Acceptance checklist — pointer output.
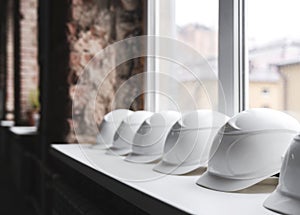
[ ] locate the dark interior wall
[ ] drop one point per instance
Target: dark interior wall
(7, 69)
(53, 55)
(71, 32)
(53, 58)
(63, 26)
(16, 61)
(3, 54)
(9, 96)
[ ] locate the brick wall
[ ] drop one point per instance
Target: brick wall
(28, 48)
(93, 25)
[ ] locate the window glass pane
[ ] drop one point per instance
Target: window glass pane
(273, 37)
(190, 85)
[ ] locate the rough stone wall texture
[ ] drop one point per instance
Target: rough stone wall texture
(93, 25)
(28, 48)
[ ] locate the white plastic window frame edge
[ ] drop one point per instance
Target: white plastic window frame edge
(150, 78)
(232, 56)
(159, 27)
(233, 73)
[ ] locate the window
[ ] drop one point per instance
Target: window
(195, 23)
(252, 46)
(273, 38)
(213, 28)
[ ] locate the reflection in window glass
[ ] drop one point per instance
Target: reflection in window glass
(194, 22)
(273, 38)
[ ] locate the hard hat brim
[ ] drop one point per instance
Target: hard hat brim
(281, 203)
(214, 182)
(118, 151)
(139, 158)
(175, 169)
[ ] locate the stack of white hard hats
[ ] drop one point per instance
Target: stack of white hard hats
(286, 198)
(188, 143)
(109, 126)
(239, 152)
(123, 138)
(149, 140)
(248, 149)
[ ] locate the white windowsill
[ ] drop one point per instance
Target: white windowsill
(178, 191)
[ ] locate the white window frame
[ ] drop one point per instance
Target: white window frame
(150, 78)
(233, 70)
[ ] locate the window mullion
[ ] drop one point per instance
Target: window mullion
(231, 57)
(150, 97)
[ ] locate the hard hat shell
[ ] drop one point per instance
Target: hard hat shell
(248, 149)
(126, 131)
(188, 143)
(148, 143)
(259, 119)
(286, 198)
(110, 123)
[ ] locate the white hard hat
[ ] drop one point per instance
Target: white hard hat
(124, 136)
(286, 198)
(148, 143)
(110, 123)
(188, 143)
(248, 149)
